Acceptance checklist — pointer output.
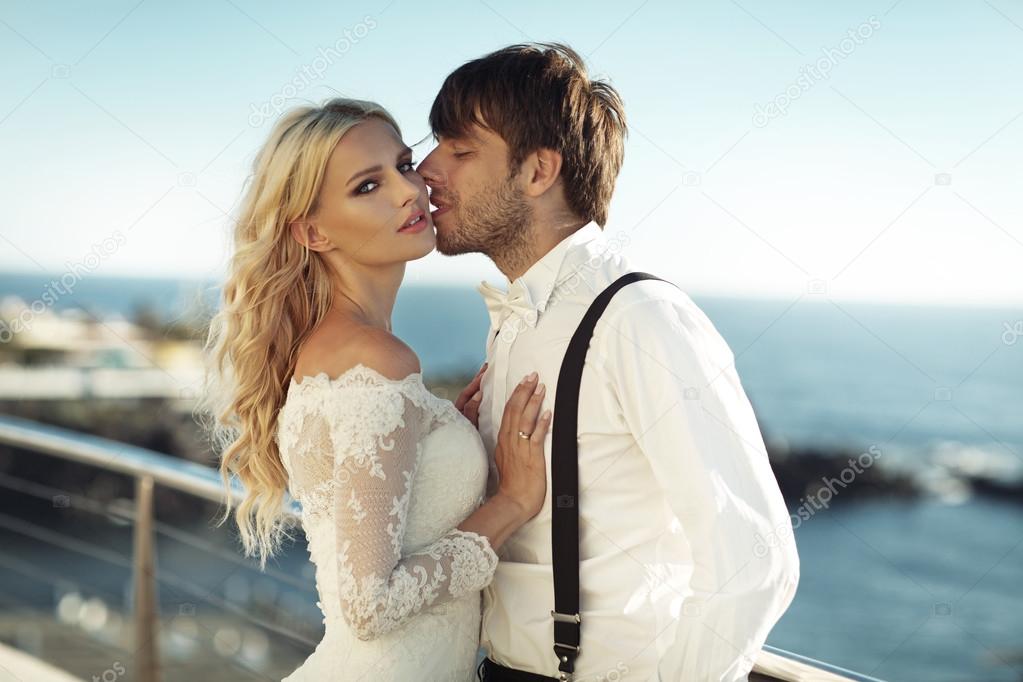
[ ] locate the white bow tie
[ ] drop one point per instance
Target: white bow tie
(502, 305)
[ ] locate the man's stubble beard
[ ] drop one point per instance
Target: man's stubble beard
(497, 224)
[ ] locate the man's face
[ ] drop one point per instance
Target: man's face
(480, 204)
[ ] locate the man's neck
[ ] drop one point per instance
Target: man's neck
(542, 237)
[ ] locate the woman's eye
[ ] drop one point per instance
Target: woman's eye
(366, 188)
(459, 155)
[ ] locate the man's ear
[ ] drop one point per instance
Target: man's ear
(305, 232)
(543, 168)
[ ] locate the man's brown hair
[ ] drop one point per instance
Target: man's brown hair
(538, 95)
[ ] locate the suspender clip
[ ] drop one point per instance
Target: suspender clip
(566, 618)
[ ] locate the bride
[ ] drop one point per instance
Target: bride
(313, 394)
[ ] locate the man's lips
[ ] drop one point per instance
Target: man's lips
(441, 207)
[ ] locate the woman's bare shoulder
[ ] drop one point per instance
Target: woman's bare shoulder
(338, 345)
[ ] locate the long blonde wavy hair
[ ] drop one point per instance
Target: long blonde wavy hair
(275, 295)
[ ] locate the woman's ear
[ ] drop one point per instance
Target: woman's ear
(544, 166)
(305, 233)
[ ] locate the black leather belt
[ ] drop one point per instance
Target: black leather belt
(489, 671)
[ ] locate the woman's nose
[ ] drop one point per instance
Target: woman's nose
(411, 189)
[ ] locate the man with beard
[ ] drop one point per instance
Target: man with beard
(673, 548)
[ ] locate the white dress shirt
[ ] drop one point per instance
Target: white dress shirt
(687, 558)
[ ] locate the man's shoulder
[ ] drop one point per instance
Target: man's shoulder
(658, 312)
(655, 306)
(602, 261)
(648, 297)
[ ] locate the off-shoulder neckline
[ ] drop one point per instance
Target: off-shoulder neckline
(322, 377)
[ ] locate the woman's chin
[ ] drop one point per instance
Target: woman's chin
(427, 244)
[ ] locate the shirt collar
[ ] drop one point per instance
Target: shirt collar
(540, 280)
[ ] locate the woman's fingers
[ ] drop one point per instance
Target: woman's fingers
(517, 400)
(520, 460)
(471, 407)
(530, 411)
(470, 391)
(472, 411)
(540, 431)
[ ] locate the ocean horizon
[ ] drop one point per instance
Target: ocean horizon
(919, 380)
(930, 386)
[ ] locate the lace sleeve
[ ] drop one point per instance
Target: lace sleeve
(375, 461)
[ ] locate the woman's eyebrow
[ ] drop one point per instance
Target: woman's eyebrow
(367, 171)
(376, 169)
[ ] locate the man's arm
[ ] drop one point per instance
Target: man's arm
(683, 401)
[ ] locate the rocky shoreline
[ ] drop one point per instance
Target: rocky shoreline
(808, 477)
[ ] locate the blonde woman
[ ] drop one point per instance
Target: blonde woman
(313, 394)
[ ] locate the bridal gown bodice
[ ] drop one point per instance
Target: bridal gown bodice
(385, 471)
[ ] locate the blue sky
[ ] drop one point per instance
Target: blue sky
(894, 177)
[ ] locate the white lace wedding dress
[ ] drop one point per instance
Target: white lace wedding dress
(385, 471)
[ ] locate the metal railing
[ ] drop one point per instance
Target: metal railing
(149, 469)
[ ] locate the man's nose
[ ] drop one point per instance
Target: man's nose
(427, 169)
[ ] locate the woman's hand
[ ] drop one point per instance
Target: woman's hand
(520, 465)
(520, 459)
(468, 401)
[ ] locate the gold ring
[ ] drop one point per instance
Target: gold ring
(524, 435)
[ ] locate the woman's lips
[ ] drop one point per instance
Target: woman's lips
(413, 229)
(421, 224)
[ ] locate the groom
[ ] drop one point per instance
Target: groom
(686, 555)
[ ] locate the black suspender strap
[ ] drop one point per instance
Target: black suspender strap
(565, 481)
